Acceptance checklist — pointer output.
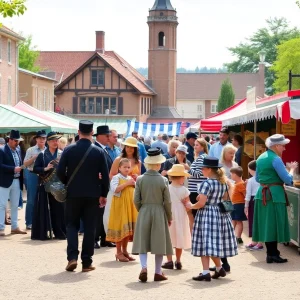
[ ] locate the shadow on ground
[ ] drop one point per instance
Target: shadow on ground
(65, 277)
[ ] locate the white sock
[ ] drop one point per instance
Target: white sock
(143, 260)
(158, 263)
(204, 272)
(218, 269)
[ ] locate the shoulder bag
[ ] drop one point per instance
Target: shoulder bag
(58, 189)
(226, 206)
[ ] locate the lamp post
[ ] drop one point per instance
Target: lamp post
(262, 56)
(291, 76)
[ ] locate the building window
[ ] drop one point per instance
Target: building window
(106, 106)
(213, 108)
(142, 105)
(9, 92)
(161, 39)
(9, 51)
(91, 106)
(97, 77)
(0, 89)
(199, 108)
(44, 107)
(113, 106)
(99, 105)
(82, 105)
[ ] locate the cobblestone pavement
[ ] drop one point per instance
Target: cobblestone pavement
(35, 270)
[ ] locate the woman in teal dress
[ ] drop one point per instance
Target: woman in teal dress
(270, 224)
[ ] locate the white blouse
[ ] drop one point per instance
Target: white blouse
(114, 183)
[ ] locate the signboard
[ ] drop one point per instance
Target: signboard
(289, 129)
(260, 143)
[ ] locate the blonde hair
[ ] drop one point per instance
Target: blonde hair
(226, 148)
(155, 167)
(63, 140)
(220, 175)
(203, 143)
(123, 161)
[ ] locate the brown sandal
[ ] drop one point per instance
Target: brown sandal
(129, 257)
(121, 257)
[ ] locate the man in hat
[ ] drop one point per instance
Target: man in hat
(216, 148)
(102, 138)
(84, 194)
(190, 143)
(11, 181)
(32, 178)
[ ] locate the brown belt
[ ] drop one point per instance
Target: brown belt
(266, 188)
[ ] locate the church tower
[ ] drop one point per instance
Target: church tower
(162, 59)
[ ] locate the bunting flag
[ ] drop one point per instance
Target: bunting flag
(153, 129)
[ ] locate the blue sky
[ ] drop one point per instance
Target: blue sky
(206, 27)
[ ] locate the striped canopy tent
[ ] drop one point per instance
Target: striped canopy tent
(53, 124)
(12, 118)
(153, 129)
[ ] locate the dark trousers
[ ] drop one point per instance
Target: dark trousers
(86, 210)
(100, 232)
(193, 196)
(58, 221)
(272, 249)
(251, 215)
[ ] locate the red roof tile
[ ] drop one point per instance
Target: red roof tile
(207, 86)
(65, 63)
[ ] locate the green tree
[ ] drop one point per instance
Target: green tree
(288, 58)
(10, 8)
(268, 38)
(226, 98)
(28, 55)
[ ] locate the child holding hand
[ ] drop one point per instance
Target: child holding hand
(180, 228)
(123, 214)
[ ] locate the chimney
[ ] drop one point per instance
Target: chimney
(100, 42)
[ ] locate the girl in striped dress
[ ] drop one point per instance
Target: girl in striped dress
(213, 234)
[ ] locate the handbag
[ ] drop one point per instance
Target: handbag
(57, 189)
(226, 206)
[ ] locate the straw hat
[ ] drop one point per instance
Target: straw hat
(131, 142)
(154, 157)
(178, 170)
(276, 139)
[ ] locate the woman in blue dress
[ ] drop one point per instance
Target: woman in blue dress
(48, 215)
(213, 234)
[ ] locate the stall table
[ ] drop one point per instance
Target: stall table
(294, 214)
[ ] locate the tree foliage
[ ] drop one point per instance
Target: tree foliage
(10, 8)
(267, 39)
(226, 98)
(288, 58)
(28, 55)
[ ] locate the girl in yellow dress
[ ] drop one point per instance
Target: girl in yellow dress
(123, 214)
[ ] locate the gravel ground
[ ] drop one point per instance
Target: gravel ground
(35, 270)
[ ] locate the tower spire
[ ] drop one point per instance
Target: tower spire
(162, 5)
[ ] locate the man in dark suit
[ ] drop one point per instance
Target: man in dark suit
(84, 194)
(11, 181)
(102, 138)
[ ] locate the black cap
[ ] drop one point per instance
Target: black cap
(15, 135)
(211, 162)
(103, 129)
(86, 126)
(53, 136)
(153, 151)
(224, 130)
(191, 135)
(41, 133)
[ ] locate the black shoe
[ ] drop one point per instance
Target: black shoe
(226, 267)
(96, 245)
(108, 244)
(217, 274)
(168, 265)
(276, 259)
(202, 277)
(178, 265)
(239, 240)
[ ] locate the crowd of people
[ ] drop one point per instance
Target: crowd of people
(161, 195)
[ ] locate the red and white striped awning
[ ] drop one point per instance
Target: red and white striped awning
(288, 110)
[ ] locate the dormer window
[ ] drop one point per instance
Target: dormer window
(161, 39)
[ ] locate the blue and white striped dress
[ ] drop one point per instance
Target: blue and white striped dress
(213, 233)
